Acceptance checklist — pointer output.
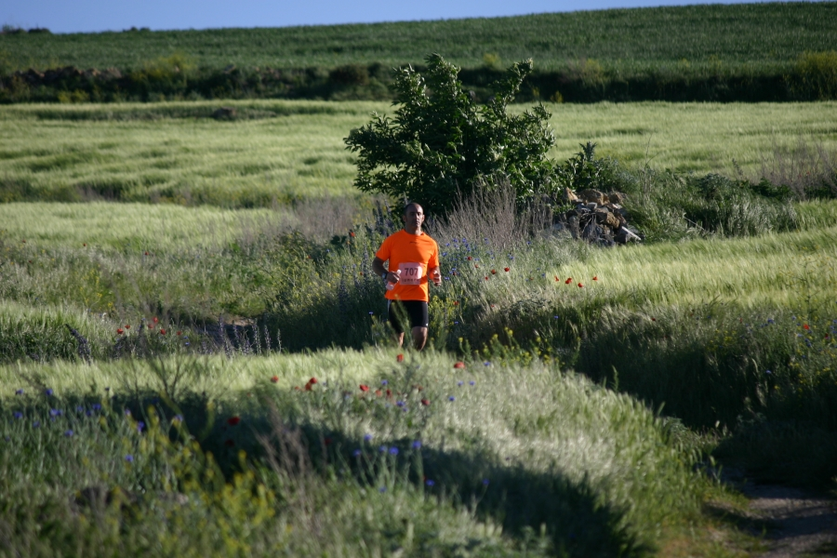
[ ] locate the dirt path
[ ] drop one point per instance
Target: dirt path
(799, 523)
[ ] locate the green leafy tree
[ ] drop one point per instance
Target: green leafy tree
(443, 143)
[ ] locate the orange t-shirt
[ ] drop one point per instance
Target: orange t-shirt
(414, 255)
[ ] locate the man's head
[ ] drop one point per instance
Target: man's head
(413, 218)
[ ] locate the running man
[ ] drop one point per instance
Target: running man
(413, 259)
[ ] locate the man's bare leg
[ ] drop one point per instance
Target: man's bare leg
(399, 338)
(419, 337)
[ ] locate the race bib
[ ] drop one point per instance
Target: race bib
(411, 273)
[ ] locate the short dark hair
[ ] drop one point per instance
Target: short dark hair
(408, 204)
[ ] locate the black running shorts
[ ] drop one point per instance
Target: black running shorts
(414, 310)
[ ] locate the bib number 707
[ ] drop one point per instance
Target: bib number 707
(411, 273)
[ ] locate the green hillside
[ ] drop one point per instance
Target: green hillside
(743, 34)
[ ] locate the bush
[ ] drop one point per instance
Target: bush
(815, 75)
(442, 143)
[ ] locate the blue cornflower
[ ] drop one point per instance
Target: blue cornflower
(357, 452)
(89, 413)
(178, 418)
(460, 383)
(18, 415)
(382, 449)
(472, 382)
(451, 398)
(455, 323)
(129, 458)
(770, 321)
(97, 406)
(555, 317)
(68, 433)
(367, 437)
(55, 412)
(18, 392)
(393, 451)
(370, 312)
(416, 444)
(399, 403)
(485, 482)
(79, 409)
(127, 412)
(768, 372)
(140, 426)
(382, 489)
(384, 382)
(48, 392)
(36, 424)
(487, 363)
(429, 482)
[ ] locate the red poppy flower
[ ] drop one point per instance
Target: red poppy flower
(556, 278)
(154, 319)
(506, 269)
(146, 253)
(307, 387)
(399, 358)
(313, 380)
(486, 278)
(568, 281)
(364, 387)
(120, 331)
(179, 332)
(580, 286)
(128, 326)
(653, 319)
(469, 257)
(389, 393)
(150, 326)
(493, 272)
(233, 421)
(476, 266)
(378, 393)
(85, 244)
(459, 364)
(275, 379)
(352, 234)
(425, 402)
(456, 303)
(805, 326)
(229, 443)
(595, 278)
(162, 331)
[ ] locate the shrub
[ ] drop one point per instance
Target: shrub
(816, 75)
(442, 142)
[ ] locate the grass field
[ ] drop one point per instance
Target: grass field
(290, 150)
(719, 37)
(212, 374)
(516, 453)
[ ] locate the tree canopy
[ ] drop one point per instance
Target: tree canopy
(443, 143)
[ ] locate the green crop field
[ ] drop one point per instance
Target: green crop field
(291, 150)
(735, 36)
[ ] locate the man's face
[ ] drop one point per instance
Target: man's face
(413, 217)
